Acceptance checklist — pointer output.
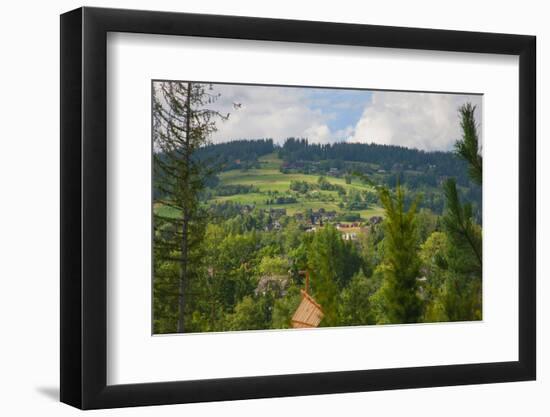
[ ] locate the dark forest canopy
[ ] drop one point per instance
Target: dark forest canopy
(301, 150)
(387, 157)
(242, 153)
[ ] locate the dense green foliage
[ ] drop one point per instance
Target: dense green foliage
(401, 266)
(332, 262)
(468, 148)
(237, 154)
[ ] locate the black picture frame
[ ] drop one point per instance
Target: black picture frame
(84, 207)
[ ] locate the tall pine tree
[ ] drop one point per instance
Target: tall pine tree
(182, 123)
(399, 292)
(462, 295)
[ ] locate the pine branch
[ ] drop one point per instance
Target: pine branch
(456, 220)
(468, 148)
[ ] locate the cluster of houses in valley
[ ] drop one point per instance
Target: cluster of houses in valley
(275, 214)
(350, 231)
(317, 219)
(314, 217)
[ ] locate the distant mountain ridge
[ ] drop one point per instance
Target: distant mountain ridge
(420, 171)
(244, 153)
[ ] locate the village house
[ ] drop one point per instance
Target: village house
(315, 218)
(277, 213)
(348, 225)
(375, 220)
(320, 216)
(275, 284)
(275, 225)
(330, 215)
(246, 209)
(349, 236)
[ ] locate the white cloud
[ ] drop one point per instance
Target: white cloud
(270, 112)
(417, 120)
(320, 133)
(345, 134)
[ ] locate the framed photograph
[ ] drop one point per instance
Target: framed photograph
(256, 208)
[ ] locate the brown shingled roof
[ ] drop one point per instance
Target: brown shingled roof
(308, 313)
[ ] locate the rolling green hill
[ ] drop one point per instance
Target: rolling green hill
(268, 179)
(258, 173)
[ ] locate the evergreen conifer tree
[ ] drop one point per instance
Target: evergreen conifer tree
(399, 292)
(182, 123)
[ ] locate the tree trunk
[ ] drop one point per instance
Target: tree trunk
(185, 217)
(183, 273)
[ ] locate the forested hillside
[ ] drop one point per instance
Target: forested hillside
(416, 170)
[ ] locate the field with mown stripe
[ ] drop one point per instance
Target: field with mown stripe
(269, 179)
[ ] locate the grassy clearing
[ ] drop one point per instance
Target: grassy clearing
(250, 198)
(270, 161)
(274, 180)
(165, 211)
(268, 178)
(374, 211)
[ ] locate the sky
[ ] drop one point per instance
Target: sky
(427, 121)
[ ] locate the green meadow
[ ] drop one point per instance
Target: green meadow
(269, 179)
